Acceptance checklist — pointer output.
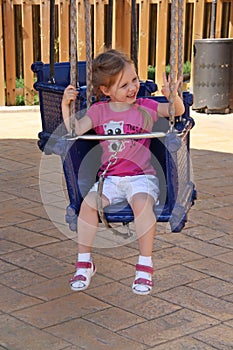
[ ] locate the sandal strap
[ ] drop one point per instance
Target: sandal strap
(78, 278)
(144, 268)
(144, 281)
(84, 265)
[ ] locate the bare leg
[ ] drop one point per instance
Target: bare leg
(145, 222)
(88, 222)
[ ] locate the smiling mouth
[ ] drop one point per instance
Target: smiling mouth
(132, 95)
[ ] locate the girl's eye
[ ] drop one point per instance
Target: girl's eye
(123, 86)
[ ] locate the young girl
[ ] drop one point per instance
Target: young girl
(132, 176)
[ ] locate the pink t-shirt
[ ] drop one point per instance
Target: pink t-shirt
(134, 156)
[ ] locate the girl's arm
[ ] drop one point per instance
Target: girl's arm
(82, 125)
(163, 108)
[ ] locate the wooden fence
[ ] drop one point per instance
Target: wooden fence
(24, 35)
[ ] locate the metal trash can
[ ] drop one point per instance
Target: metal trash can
(213, 75)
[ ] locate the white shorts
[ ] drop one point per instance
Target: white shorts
(120, 188)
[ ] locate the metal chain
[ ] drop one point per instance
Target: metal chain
(88, 53)
(113, 158)
(73, 59)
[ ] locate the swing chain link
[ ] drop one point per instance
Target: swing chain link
(113, 157)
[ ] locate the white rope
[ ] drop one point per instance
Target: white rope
(73, 59)
(173, 38)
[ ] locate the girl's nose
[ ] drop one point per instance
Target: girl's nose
(132, 87)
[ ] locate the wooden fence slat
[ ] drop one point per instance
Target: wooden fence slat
(63, 19)
(2, 90)
(81, 31)
(28, 52)
(198, 24)
(118, 25)
(143, 41)
(9, 40)
(123, 26)
(99, 26)
(161, 40)
(231, 23)
(44, 22)
(218, 19)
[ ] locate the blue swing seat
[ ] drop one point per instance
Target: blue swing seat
(170, 155)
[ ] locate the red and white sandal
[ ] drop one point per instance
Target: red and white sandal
(143, 286)
(82, 278)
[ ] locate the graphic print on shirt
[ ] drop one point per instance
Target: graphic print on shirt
(118, 128)
(114, 128)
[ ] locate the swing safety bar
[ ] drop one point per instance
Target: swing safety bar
(115, 137)
(150, 135)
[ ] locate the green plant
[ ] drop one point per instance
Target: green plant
(167, 69)
(151, 73)
(19, 83)
(187, 67)
(151, 70)
(20, 100)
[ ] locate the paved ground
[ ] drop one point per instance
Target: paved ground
(191, 306)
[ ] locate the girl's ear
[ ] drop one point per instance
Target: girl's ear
(104, 90)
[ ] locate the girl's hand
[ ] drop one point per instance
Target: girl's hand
(70, 94)
(166, 82)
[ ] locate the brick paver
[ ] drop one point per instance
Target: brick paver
(191, 306)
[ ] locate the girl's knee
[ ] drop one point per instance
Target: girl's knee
(90, 202)
(141, 202)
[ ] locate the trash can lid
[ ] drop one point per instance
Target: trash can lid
(213, 41)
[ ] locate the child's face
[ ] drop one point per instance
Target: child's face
(126, 86)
